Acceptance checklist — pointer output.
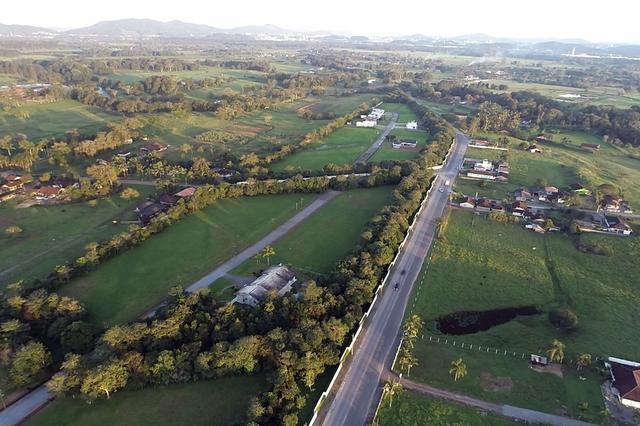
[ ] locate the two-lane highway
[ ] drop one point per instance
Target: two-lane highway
(359, 388)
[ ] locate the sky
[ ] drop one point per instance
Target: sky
(598, 21)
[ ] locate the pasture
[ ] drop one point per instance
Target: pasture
(411, 409)
(387, 152)
(341, 147)
(124, 287)
(329, 235)
(220, 401)
(55, 234)
(55, 118)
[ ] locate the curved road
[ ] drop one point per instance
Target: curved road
(359, 388)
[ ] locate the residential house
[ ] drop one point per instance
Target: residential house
(404, 143)
(625, 377)
(225, 173)
(367, 123)
(535, 227)
(168, 200)
(590, 147)
(481, 174)
(186, 193)
(617, 225)
(579, 189)
(534, 149)
(277, 279)
(520, 209)
(484, 205)
(155, 147)
(468, 203)
(148, 210)
(523, 194)
(412, 125)
(484, 165)
(612, 204)
(46, 192)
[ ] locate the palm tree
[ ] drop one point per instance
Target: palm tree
(391, 390)
(267, 252)
(556, 351)
(458, 369)
(407, 360)
(583, 360)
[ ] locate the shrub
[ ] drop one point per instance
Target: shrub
(565, 319)
(13, 230)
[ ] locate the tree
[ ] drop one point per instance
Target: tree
(105, 379)
(556, 351)
(406, 360)
(129, 193)
(77, 337)
(583, 360)
(105, 175)
(267, 252)
(565, 318)
(458, 369)
(29, 361)
(390, 390)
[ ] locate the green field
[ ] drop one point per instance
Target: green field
(248, 77)
(414, 409)
(481, 265)
(341, 147)
(122, 288)
(53, 235)
(339, 105)
(330, 234)
(405, 113)
(221, 401)
(56, 118)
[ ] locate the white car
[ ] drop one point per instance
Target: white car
(441, 189)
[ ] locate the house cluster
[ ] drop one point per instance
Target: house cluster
(486, 170)
(277, 279)
(611, 204)
(150, 209)
(404, 143)
(545, 194)
(15, 185)
(482, 205)
(371, 119)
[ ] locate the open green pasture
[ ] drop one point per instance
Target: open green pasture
(124, 287)
(330, 234)
(222, 401)
(341, 147)
(55, 234)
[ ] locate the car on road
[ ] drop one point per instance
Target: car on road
(441, 189)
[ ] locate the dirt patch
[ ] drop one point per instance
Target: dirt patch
(555, 369)
(495, 384)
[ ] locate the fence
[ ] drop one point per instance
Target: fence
(349, 348)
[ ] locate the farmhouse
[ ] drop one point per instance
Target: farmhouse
(376, 114)
(404, 143)
(617, 225)
(484, 165)
(612, 204)
(13, 183)
(186, 193)
(412, 125)
(468, 203)
(46, 192)
(625, 377)
(590, 147)
(366, 123)
(155, 147)
(520, 209)
(277, 279)
(148, 210)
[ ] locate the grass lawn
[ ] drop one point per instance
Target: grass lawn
(481, 265)
(124, 287)
(252, 77)
(339, 105)
(387, 152)
(330, 234)
(221, 401)
(223, 289)
(415, 409)
(341, 147)
(56, 118)
(55, 234)
(405, 113)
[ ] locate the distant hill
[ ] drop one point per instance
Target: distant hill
(145, 27)
(24, 31)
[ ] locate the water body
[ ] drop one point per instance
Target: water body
(469, 322)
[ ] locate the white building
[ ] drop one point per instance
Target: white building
(367, 123)
(484, 166)
(376, 114)
(412, 125)
(626, 381)
(278, 279)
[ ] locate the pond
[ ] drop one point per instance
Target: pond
(468, 322)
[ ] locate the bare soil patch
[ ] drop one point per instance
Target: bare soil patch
(495, 384)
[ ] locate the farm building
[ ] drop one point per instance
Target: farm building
(590, 147)
(186, 193)
(617, 225)
(626, 381)
(412, 125)
(404, 143)
(278, 279)
(366, 123)
(615, 205)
